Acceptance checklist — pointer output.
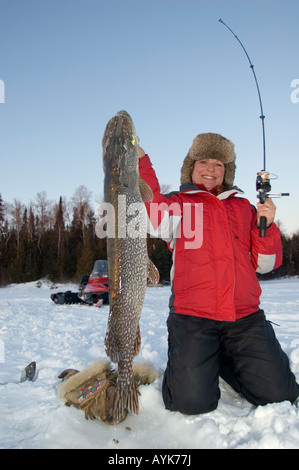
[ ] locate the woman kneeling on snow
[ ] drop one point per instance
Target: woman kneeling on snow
(215, 325)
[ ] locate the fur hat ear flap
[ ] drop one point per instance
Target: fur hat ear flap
(206, 146)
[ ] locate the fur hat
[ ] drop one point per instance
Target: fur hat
(210, 146)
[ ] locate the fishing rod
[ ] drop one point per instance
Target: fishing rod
(263, 185)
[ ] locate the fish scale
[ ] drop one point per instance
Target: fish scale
(127, 259)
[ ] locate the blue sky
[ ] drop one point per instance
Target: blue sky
(70, 65)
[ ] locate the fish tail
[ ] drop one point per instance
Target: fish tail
(125, 399)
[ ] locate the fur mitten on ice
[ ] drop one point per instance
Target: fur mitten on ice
(92, 389)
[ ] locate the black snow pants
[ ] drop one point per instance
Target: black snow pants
(245, 353)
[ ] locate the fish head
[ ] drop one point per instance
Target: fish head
(120, 151)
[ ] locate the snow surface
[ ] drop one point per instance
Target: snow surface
(33, 328)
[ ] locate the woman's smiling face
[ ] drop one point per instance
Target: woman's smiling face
(209, 172)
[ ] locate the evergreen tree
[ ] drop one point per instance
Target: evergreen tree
(1, 214)
(59, 237)
(294, 254)
(42, 240)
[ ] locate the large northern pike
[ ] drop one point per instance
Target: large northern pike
(126, 254)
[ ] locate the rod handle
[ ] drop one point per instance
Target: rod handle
(263, 226)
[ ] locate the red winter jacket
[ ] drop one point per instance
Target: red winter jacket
(217, 249)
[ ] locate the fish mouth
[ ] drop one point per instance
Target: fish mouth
(121, 125)
(124, 113)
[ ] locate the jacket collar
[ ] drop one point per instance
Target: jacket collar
(193, 188)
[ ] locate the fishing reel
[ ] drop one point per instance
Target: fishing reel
(263, 187)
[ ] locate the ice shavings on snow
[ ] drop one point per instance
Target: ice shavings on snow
(33, 328)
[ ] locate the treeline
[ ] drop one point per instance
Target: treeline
(57, 240)
(290, 264)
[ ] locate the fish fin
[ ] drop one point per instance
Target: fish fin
(111, 347)
(145, 191)
(125, 399)
(137, 341)
(153, 275)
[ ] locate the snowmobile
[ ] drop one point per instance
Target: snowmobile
(95, 290)
(67, 297)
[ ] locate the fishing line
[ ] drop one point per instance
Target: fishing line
(262, 116)
(263, 185)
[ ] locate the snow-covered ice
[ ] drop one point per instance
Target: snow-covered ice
(33, 328)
